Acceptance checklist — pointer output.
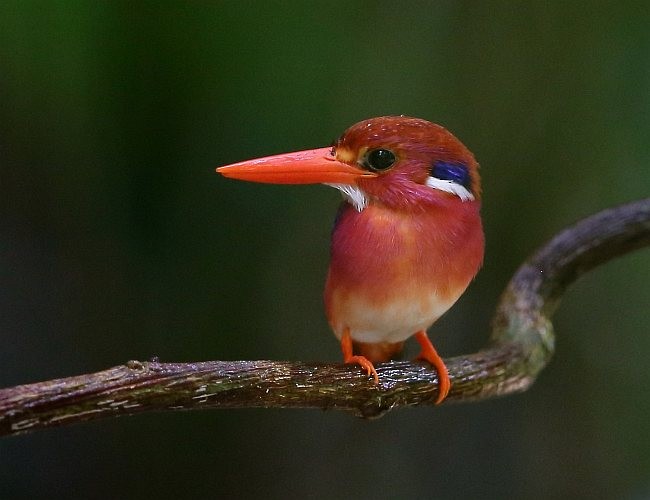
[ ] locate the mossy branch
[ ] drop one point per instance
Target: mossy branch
(521, 344)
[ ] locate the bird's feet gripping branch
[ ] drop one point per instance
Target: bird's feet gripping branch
(407, 240)
(350, 358)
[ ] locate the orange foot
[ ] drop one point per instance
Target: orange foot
(428, 353)
(349, 358)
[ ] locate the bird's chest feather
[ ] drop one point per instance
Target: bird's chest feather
(393, 273)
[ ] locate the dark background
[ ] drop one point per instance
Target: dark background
(118, 241)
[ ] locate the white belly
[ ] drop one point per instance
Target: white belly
(389, 322)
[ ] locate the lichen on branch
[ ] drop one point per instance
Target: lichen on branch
(521, 344)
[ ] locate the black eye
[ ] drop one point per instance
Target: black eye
(450, 171)
(379, 159)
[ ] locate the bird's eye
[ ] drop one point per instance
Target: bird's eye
(379, 159)
(450, 171)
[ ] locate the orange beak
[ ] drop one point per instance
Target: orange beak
(314, 166)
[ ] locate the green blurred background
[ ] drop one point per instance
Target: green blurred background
(118, 241)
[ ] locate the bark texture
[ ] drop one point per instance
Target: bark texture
(521, 344)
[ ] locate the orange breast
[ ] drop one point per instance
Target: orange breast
(393, 273)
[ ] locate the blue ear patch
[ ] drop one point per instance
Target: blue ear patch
(450, 171)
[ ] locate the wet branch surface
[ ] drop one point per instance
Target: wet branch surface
(521, 344)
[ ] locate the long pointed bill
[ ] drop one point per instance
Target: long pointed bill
(314, 166)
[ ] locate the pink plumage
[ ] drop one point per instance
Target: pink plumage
(408, 239)
(393, 273)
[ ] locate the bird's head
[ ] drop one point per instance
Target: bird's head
(396, 161)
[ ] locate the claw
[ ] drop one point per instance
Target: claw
(364, 363)
(349, 358)
(429, 354)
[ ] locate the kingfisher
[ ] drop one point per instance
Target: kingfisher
(407, 240)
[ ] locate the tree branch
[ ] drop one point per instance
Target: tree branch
(521, 344)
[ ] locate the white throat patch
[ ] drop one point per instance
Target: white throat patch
(352, 194)
(450, 187)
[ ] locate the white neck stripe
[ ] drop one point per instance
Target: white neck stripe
(450, 187)
(359, 200)
(352, 194)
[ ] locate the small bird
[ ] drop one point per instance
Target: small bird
(407, 240)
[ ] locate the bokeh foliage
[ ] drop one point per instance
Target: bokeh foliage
(118, 241)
